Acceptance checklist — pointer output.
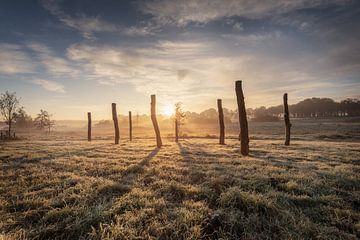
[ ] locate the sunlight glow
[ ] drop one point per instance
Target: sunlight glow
(168, 110)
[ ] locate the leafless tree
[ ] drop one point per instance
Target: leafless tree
(43, 120)
(179, 118)
(8, 106)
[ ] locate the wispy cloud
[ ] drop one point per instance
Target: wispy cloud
(202, 11)
(46, 57)
(13, 59)
(51, 86)
(87, 26)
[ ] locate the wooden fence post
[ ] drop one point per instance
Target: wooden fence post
(244, 133)
(154, 121)
(221, 122)
(130, 126)
(89, 126)
(176, 130)
(116, 123)
(287, 120)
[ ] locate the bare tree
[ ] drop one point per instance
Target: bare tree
(179, 119)
(43, 120)
(8, 105)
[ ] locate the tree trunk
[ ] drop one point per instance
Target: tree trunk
(244, 134)
(130, 126)
(116, 123)
(154, 121)
(287, 120)
(221, 122)
(89, 126)
(176, 131)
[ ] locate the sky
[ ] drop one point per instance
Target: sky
(74, 56)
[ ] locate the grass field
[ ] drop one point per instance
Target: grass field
(196, 189)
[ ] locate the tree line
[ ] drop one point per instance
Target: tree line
(312, 108)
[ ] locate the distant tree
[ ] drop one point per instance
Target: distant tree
(8, 106)
(43, 121)
(179, 118)
(22, 119)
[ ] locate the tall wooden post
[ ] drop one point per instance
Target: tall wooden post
(89, 126)
(116, 123)
(244, 134)
(287, 120)
(176, 130)
(130, 126)
(221, 122)
(154, 121)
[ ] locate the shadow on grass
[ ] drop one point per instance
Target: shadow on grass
(86, 212)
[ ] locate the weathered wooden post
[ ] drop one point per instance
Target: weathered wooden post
(287, 120)
(89, 126)
(244, 134)
(221, 122)
(176, 130)
(130, 126)
(1, 136)
(116, 123)
(154, 121)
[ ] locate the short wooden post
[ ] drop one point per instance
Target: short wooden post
(221, 122)
(287, 120)
(130, 126)
(89, 126)
(244, 134)
(116, 123)
(154, 121)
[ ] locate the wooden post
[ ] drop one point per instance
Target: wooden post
(89, 126)
(287, 120)
(176, 130)
(221, 122)
(130, 126)
(154, 121)
(244, 134)
(14, 135)
(116, 123)
(1, 136)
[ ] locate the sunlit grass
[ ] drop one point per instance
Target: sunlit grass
(192, 190)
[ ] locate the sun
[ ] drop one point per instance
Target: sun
(168, 110)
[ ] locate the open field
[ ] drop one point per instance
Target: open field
(191, 190)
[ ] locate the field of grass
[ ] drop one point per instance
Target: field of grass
(196, 189)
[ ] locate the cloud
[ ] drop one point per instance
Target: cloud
(14, 60)
(51, 86)
(142, 29)
(87, 26)
(54, 65)
(203, 69)
(202, 11)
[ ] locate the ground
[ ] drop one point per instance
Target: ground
(191, 190)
